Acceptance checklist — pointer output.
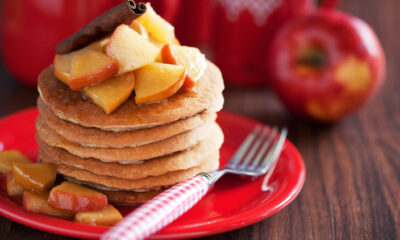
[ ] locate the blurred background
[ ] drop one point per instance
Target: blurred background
(327, 70)
(253, 42)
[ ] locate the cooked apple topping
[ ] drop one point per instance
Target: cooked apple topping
(38, 202)
(85, 67)
(98, 46)
(130, 49)
(139, 28)
(157, 27)
(13, 188)
(76, 198)
(113, 92)
(130, 60)
(189, 57)
(91, 68)
(35, 176)
(7, 158)
(157, 81)
(107, 216)
(32, 182)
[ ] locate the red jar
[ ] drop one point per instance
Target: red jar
(243, 31)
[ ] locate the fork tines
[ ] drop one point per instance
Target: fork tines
(259, 150)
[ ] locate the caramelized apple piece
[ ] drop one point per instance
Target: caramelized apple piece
(35, 176)
(98, 46)
(110, 94)
(13, 188)
(135, 25)
(62, 63)
(130, 49)
(155, 42)
(167, 56)
(62, 67)
(156, 26)
(163, 46)
(157, 81)
(37, 202)
(107, 216)
(90, 68)
(191, 58)
(176, 42)
(8, 157)
(76, 198)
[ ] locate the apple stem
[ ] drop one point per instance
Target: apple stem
(313, 59)
(329, 4)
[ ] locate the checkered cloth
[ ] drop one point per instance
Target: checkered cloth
(160, 211)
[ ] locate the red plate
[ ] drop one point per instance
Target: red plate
(234, 202)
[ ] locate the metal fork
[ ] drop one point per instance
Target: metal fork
(255, 156)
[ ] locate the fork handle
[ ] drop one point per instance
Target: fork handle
(160, 211)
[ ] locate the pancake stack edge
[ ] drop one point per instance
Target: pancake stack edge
(136, 157)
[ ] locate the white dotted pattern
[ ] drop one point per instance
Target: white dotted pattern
(160, 211)
(259, 9)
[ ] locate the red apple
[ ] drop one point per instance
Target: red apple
(326, 65)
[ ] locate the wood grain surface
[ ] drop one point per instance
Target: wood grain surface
(352, 188)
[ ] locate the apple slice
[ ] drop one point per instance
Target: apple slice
(157, 81)
(35, 176)
(37, 202)
(98, 46)
(139, 28)
(13, 188)
(189, 57)
(176, 42)
(155, 42)
(110, 94)
(167, 55)
(90, 68)
(8, 157)
(62, 66)
(62, 63)
(130, 49)
(162, 46)
(156, 26)
(76, 198)
(107, 216)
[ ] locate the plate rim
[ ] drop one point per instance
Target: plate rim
(15, 212)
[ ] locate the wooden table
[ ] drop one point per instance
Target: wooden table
(352, 189)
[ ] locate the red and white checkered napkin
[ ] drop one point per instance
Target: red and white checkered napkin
(160, 211)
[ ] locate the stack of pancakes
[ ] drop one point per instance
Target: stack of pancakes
(135, 152)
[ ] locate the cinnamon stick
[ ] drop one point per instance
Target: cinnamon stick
(103, 25)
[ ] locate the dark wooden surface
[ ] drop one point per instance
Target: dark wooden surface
(352, 189)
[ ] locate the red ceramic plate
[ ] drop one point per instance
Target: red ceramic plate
(233, 203)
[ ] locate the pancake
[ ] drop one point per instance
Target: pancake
(122, 197)
(94, 137)
(131, 198)
(182, 160)
(69, 105)
(129, 154)
(210, 164)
